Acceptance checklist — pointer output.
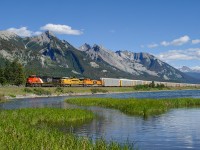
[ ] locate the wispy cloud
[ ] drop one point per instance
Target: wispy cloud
(23, 31)
(196, 41)
(61, 29)
(142, 46)
(37, 33)
(152, 45)
(196, 68)
(176, 42)
(188, 54)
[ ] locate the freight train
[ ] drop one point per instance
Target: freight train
(35, 81)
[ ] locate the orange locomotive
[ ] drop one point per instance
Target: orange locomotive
(34, 81)
(89, 82)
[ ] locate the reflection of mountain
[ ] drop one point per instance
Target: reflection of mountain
(47, 55)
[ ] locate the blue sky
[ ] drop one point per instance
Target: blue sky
(168, 29)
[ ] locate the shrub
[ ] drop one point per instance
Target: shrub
(160, 86)
(70, 92)
(28, 90)
(59, 90)
(40, 91)
(12, 95)
(141, 87)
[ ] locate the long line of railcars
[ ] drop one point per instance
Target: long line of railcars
(35, 81)
(128, 82)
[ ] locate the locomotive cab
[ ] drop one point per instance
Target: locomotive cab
(34, 81)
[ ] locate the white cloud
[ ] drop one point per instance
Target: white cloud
(152, 45)
(61, 29)
(196, 68)
(37, 33)
(188, 54)
(164, 43)
(197, 41)
(23, 31)
(177, 42)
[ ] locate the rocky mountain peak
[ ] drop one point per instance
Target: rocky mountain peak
(46, 52)
(96, 48)
(45, 37)
(85, 47)
(49, 34)
(185, 69)
(7, 35)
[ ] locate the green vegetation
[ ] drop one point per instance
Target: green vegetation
(59, 90)
(41, 91)
(2, 98)
(12, 73)
(151, 86)
(140, 107)
(15, 90)
(40, 129)
(38, 91)
(97, 90)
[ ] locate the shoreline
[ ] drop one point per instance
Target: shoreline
(8, 98)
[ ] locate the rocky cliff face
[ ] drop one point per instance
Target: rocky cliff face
(47, 55)
(140, 65)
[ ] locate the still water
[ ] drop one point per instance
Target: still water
(176, 129)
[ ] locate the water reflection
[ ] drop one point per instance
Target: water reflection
(157, 94)
(176, 129)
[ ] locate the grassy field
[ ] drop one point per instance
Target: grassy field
(13, 91)
(140, 107)
(38, 129)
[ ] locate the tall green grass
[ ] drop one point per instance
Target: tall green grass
(140, 107)
(2, 98)
(36, 129)
(38, 91)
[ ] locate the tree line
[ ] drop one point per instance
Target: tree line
(12, 73)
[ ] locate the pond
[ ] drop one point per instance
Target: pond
(176, 129)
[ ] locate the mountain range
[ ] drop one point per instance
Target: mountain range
(192, 72)
(46, 54)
